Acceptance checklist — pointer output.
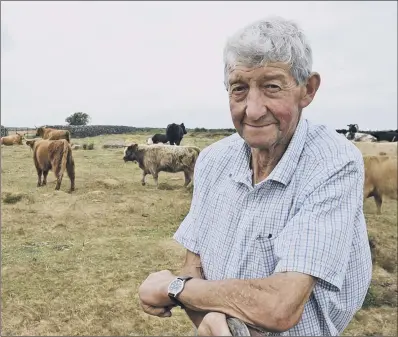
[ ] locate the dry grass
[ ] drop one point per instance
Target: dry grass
(71, 263)
(381, 148)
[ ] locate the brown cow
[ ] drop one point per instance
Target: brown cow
(55, 155)
(52, 134)
(380, 178)
(12, 140)
(153, 159)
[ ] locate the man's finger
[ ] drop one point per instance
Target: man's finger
(156, 311)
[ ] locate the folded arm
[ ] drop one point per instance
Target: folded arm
(275, 303)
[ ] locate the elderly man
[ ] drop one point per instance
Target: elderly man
(276, 234)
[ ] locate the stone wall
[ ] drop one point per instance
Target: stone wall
(82, 131)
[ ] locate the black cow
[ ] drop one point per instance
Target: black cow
(342, 131)
(175, 133)
(389, 136)
(159, 138)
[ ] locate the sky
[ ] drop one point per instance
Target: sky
(148, 64)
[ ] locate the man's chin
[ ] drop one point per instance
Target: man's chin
(258, 140)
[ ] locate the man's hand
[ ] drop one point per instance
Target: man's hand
(153, 294)
(214, 324)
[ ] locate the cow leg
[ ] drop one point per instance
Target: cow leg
(144, 173)
(70, 169)
(171, 142)
(378, 201)
(39, 172)
(155, 176)
(59, 181)
(45, 174)
(188, 178)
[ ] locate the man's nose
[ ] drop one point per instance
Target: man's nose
(255, 105)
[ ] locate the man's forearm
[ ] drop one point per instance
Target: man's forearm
(256, 302)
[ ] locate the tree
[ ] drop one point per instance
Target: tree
(78, 118)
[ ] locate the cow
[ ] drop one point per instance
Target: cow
(356, 136)
(157, 138)
(12, 140)
(156, 158)
(55, 155)
(175, 133)
(389, 136)
(380, 178)
(361, 137)
(52, 134)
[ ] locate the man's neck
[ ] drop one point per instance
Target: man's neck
(264, 161)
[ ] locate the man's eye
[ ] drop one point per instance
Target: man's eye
(272, 86)
(238, 88)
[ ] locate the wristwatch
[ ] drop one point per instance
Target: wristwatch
(175, 288)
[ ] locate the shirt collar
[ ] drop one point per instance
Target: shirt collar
(283, 171)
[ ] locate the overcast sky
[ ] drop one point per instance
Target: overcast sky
(154, 63)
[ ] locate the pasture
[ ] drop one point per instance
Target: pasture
(72, 263)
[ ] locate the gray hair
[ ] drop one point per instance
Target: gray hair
(269, 40)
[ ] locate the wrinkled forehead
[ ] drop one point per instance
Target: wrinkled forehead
(244, 73)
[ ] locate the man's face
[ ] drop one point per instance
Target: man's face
(266, 104)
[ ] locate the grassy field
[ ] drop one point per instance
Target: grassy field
(71, 263)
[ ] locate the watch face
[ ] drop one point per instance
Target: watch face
(176, 286)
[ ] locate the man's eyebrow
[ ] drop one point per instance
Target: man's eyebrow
(237, 78)
(276, 76)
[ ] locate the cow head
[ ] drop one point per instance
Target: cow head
(353, 128)
(40, 132)
(31, 143)
(130, 153)
(183, 128)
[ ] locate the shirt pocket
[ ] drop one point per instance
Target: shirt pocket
(265, 255)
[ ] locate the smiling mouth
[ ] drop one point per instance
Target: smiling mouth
(258, 126)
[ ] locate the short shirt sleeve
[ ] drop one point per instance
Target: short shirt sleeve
(187, 233)
(318, 239)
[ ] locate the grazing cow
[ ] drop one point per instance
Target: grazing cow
(52, 134)
(389, 136)
(55, 155)
(12, 140)
(156, 158)
(157, 138)
(175, 133)
(380, 178)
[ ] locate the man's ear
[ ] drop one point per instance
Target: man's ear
(310, 89)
